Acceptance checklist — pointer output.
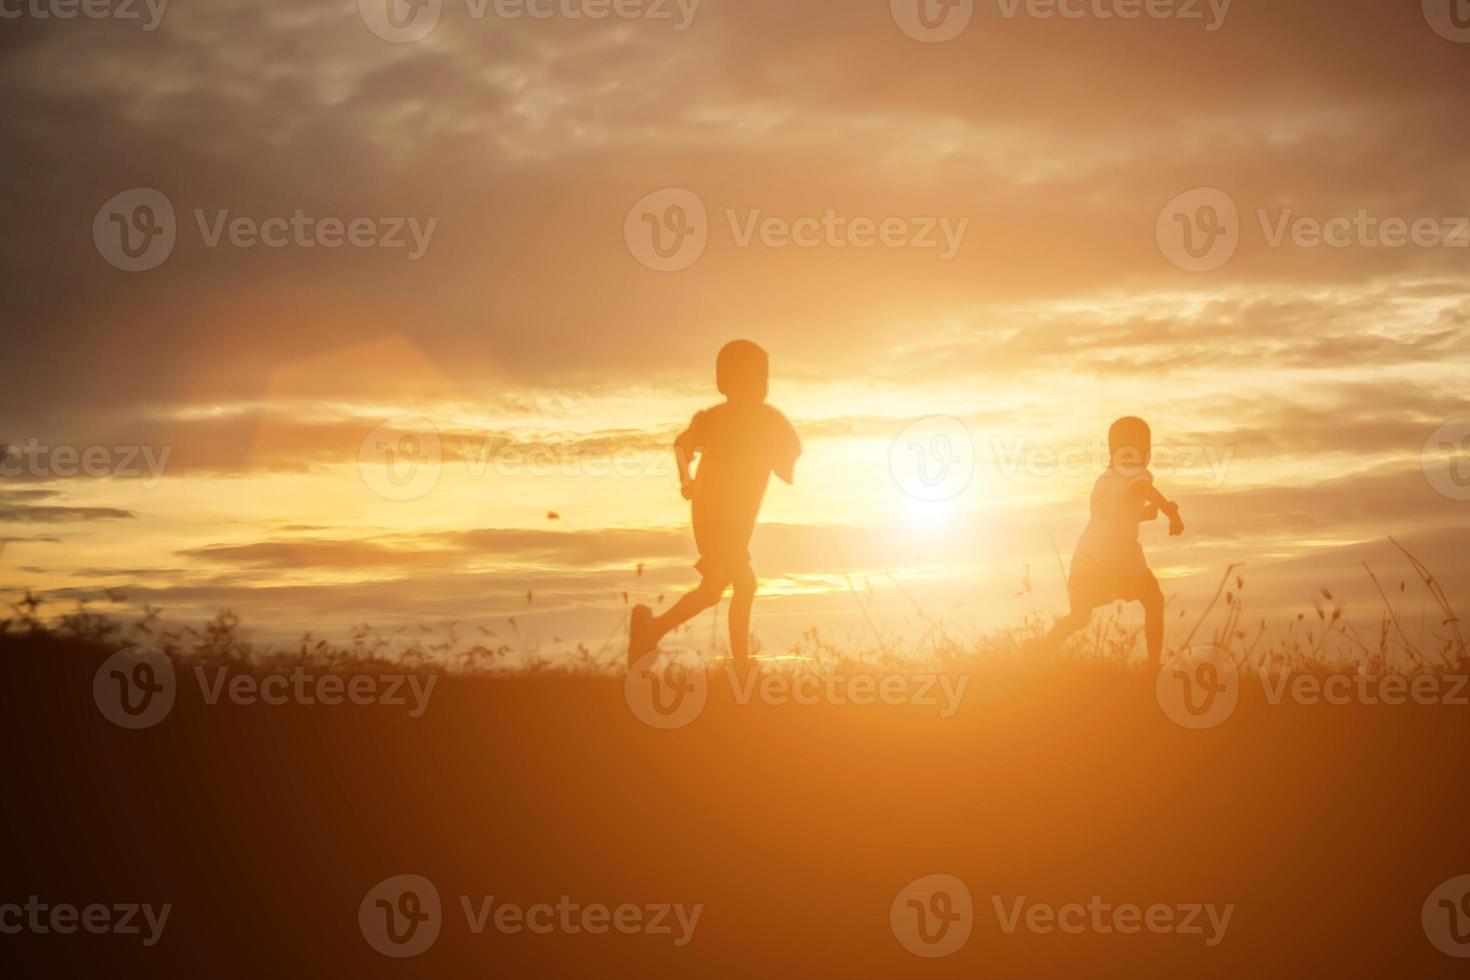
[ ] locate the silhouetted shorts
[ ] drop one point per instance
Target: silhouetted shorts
(1090, 589)
(722, 557)
(723, 570)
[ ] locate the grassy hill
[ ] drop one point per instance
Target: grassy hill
(795, 826)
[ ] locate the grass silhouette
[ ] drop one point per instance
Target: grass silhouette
(1323, 640)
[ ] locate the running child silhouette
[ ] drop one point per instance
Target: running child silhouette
(1108, 563)
(740, 443)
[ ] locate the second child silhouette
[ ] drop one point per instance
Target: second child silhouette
(1109, 563)
(739, 444)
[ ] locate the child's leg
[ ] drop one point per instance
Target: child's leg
(645, 629)
(1084, 594)
(741, 599)
(1077, 619)
(690, 605)
(1152, 598)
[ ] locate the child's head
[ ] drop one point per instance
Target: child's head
(1130, 444)
(742, 371)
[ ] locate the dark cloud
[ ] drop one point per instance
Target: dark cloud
(18, 507)
(530, 140)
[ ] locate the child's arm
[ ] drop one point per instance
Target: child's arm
(685, 449)
(788, 450)
(1155, 503)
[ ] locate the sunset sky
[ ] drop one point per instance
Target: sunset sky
(1292, 390)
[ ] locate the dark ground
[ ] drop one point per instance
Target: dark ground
(795, 826)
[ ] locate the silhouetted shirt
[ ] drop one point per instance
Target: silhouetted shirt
(1110, 541)
(740, 444)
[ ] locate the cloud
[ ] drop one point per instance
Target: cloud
(17, 507)
(530, 139)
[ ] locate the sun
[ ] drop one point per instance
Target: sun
(928, 515)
